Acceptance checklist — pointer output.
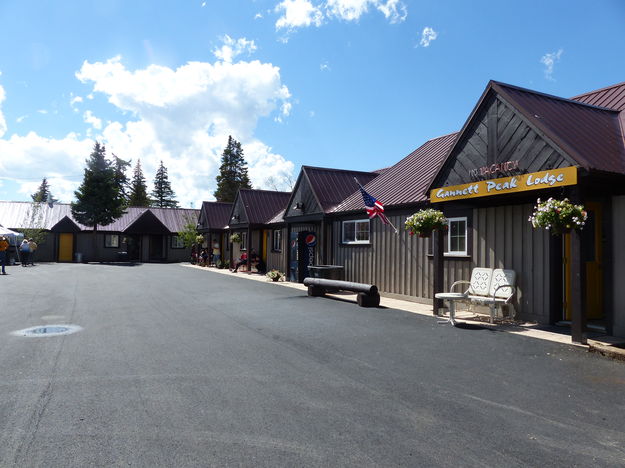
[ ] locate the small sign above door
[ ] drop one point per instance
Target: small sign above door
(517, 183)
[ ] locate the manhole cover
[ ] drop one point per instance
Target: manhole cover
(47, 330)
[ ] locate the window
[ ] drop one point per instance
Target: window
(356, 232)
(277, 240)
(111, 241)
(177, 242)
(457, 236)
(243, 244)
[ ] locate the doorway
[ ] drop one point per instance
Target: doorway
(592, 265)
(156, 248)
(66, 247)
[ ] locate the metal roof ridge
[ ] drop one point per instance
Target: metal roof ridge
(336, 170)
(553, 96)
(588, 93)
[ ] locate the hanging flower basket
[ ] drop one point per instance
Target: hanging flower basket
(235, 238)
(558, 216)
(423, 222)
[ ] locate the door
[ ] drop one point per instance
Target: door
(156, 248)
(592, 263)
(66, 247)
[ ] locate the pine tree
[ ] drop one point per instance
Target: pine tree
(138, 195)
(121, 179)
(232, 172)
(163, 196)
(98, 199)
(42, 193)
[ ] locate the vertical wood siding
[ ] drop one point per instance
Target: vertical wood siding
(618, 262)
(276, 260)
(504, 238)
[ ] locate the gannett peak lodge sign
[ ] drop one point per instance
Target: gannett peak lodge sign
(517, 183)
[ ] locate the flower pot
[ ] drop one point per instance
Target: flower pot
(425, 235)
(276, 279)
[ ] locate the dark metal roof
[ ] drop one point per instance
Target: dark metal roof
(16, 214)
(278, 218)
(215, 215)
(261, 206)
(332, 186)
(612, 97)
(590, 135)
(407, 181)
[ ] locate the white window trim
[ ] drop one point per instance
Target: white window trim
(243, 244)
(273, 240)
(466, 236)
(354, 221)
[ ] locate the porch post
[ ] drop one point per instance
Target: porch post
(578, 312)
(249, 249)
(578, 316)
(437, 268)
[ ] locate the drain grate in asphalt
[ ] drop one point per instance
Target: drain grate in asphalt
(47, 330)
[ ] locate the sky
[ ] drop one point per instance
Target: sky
(349, 84)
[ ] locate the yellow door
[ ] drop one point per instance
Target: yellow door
(66, 247)
(592, 263)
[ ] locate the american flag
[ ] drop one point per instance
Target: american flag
(374, 207)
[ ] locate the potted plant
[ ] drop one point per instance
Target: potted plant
(235, 238)
(423, 222)
(558, 216)
(275, 275)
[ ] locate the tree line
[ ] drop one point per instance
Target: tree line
(106, 190)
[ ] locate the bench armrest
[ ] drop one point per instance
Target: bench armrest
(459, 282)
(505, 286)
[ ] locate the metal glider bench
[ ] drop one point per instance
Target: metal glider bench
(368, 295)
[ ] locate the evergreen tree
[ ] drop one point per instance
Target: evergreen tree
(42, 193)
(121, 179)
(98, 199)
(138, 189)
(163, 196)
(232, 172)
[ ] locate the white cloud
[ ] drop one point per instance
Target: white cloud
(297, 14)
(549, 60)
(232, 48)
(181, 116)
(427, 36)
(305, 13)
(42, 111)
(20, 119)
(258, 16)
(324, 66)
(60, 160)
(92, 120)
(184, 117)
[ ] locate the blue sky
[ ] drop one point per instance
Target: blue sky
(353, 84)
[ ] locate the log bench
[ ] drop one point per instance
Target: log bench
(368, 295)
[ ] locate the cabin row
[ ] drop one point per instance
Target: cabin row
(516, 146)
(140, 235)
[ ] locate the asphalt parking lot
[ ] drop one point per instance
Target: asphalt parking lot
(178, 366)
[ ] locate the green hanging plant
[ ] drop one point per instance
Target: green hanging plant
(423, 222)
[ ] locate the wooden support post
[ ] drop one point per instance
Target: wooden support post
(437, 268)
(249, 249)
(578, 314)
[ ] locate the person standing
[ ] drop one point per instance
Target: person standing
(4, 247)
(24, 252)
(33, 246)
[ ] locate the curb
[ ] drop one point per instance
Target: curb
(607, 350)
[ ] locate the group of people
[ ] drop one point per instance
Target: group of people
(27, 252)
(204, 256)
(254, 258)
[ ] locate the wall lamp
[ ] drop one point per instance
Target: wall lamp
(299, 206)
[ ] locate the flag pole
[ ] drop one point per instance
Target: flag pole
(389, 221)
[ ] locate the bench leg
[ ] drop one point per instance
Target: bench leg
(492, 307)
